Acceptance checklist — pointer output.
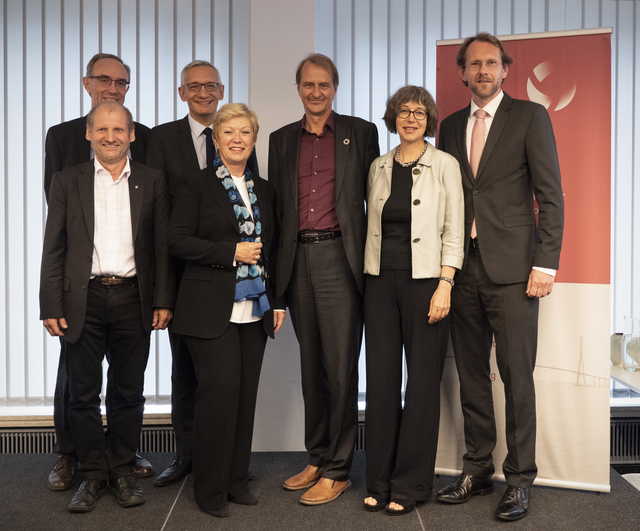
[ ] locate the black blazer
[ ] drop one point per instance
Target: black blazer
(68, 245)
(171, 150)
(519, 158)
(66, 145)
(356, 148)
(204, 232)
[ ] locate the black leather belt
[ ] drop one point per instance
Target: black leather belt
(473, 244)
(316, 237)
(116, 281)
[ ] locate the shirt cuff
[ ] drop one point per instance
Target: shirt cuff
(546, 270)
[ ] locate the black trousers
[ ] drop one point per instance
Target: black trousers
(402, 442)
(326, 312)
(228, 372)
(482, 310)
(113, 327)
(183, 394)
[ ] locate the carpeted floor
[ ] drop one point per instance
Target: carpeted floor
(27, 504)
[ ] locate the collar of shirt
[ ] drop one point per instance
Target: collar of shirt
(199, 141)
(100, 171)
(491, 109)
(327, 125)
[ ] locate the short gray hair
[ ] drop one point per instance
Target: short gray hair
(112, 106)
(92, 62)
(193, 64)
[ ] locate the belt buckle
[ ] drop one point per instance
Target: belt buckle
(105, 281)
(310, 237)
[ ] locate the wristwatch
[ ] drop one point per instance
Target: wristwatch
(449, 280)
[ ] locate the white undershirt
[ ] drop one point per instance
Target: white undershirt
(113, 253)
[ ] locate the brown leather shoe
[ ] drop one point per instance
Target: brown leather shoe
(325, 491)
(63, 475)
(142, 468)
(305, 479)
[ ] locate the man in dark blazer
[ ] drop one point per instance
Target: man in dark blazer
(177, 148)
(318, 167)
(106, 282)
(66, 145)
(507, 152)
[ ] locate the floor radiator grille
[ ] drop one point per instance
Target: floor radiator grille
(625, 440)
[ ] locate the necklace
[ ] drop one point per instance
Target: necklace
(407, 164)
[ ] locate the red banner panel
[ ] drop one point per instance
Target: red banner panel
(571, 77)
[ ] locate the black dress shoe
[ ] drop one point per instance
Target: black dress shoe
(126, 491)
(142, 468)
(86, 499)
(63, 475)
(464, 487)
(177, 471)
(514, 504)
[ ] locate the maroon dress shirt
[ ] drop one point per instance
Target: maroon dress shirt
(317, 179)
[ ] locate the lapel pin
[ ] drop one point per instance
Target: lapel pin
(136, 186)
(346, 141)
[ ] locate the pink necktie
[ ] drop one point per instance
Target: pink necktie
(477, 145)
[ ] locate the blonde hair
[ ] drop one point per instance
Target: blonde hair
(230, 111)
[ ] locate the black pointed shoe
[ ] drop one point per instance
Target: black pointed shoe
(177, 471)
(464, 487)
(514, 504)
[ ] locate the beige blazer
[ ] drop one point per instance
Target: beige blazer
(437, 213)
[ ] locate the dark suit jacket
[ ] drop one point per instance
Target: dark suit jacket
(67, 145)
(519, 158)
(171, 150)
(356, 148)
(68, 244)
(204, 232)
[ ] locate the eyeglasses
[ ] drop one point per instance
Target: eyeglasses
(477, 65)
(418, 114)
(209, 87)
(105, 82)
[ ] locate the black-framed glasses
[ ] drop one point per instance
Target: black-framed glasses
(209, 87)
(105, 82)
(477, 65)
(418, 114)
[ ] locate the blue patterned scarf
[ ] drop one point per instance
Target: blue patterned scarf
(249, 278)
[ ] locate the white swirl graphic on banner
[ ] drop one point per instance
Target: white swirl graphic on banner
(542, 71)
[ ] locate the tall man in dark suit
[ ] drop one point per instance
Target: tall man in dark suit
(177, 148)
(318, 167)
(106, 282)
(507, 152)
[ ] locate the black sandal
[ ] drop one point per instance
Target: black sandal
(407, 506)
(380, 503)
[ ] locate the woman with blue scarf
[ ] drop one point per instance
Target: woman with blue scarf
(222, 225)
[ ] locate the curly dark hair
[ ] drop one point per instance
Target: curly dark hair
(411, 93)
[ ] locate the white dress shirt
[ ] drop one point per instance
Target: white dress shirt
(113, 253)
(491, 108)
(199, 141)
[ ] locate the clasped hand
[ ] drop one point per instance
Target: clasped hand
(248, 252)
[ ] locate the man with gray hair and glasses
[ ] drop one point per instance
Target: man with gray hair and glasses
(66, 145)
(176, 148)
